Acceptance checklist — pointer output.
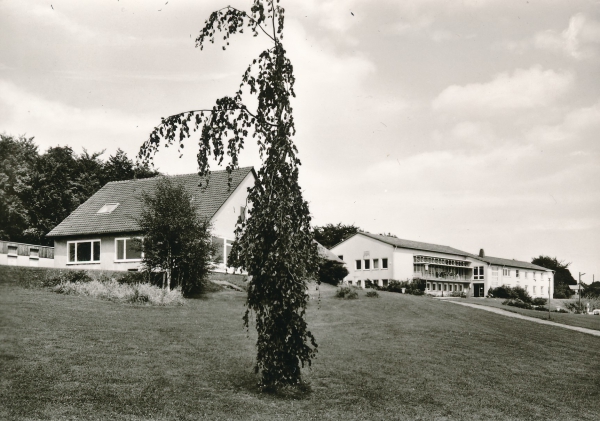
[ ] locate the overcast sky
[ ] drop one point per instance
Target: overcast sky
(467, 123)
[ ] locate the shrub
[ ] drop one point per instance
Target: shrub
(414, 287)
(112, 290)
(541, 308)
(372, 294)
(460, 294)
(515, 302)
(539, 301)
(68, 276)
(347, 293)
(331, 272)
(508, 293)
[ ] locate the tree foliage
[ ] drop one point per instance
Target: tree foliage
(331, 272)
(37, 191)
(329, 235)
(562, 275)
(176, 240)
(274, 244)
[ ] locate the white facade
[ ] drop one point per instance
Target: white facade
(445, 270)
(20, 254)
(111, 257)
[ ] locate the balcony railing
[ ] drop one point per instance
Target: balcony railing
(442, 278)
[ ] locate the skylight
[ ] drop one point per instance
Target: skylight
(108, 208)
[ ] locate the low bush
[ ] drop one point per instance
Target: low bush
(347, 293)
(141, 293)
(414, 287)
(541, 308)
(460, 294)
(508, 293)
(515, 302)
(372, 294)
(539, 301)
(68, 276)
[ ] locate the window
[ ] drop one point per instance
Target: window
(460, 287)
(516, 273)
(542, 290)
(505, 272)
(12, 250)
(83, 251)
(358, 264)
(445, 287)
(495, 274)
(242, 213)
(428, 285)
(534, 289)
(433, 287)
(525, 273)
(384, 264)
(34, 253)
(385, 282)
(534, 275)
(128, 249)
(358, 282)
(108, 208)
(349, 282)
(478, 272)
(375, 263)
(367, 264)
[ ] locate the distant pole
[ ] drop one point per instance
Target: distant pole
(580, 275)
(549, 294)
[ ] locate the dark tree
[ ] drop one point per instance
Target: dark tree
(562, 275)
(176, 240)
(119, 167)
(17, 158)
(274, 244)
(329, 235)
(331, 272)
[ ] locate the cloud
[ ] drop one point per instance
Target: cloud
(579, 40)
(22, 112)
(523, 89)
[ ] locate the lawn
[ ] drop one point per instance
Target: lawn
(580, 320)
(392, 357)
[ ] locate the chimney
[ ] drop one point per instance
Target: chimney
(481, 253)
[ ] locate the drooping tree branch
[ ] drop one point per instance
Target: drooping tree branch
(275, 244)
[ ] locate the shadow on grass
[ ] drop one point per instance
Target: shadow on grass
(249, 382)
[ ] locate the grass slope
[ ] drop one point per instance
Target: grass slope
(580, 320)
(393, 357)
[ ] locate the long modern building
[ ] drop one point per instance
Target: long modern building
(379, 259)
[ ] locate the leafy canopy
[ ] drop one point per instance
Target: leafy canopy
(329, 235)
(274, 244)
(176, 240)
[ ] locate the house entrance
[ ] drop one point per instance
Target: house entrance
(478, 290)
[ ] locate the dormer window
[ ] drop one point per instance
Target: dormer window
(108, 208)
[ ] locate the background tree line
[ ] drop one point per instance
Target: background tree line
(38, 190)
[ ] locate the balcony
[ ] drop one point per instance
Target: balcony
(442, 277)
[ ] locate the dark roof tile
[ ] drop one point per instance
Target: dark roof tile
(86, 220)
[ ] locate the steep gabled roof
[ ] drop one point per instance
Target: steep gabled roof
(415, 245)
(86, 220)
(327, 254)
(511, 262)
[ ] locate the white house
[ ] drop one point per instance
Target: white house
(379, 259)
(99, 233)
(21, 254)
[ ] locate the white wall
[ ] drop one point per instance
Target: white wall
(225, 220)
(6, 260)
(360, 247)
(107, 254)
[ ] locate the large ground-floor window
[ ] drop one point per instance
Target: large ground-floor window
(85, 251)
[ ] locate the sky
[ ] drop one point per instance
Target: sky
(468, 123)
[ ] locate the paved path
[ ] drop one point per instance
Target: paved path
(532, 319)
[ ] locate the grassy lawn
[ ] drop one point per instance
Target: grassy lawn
(393, 357)
(581, 320)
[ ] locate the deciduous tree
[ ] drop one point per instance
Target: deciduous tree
(274, 244)
(562, 275)
(329, 235)
(176, 240)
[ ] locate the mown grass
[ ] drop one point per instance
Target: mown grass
(397, 357)
(571, 319)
